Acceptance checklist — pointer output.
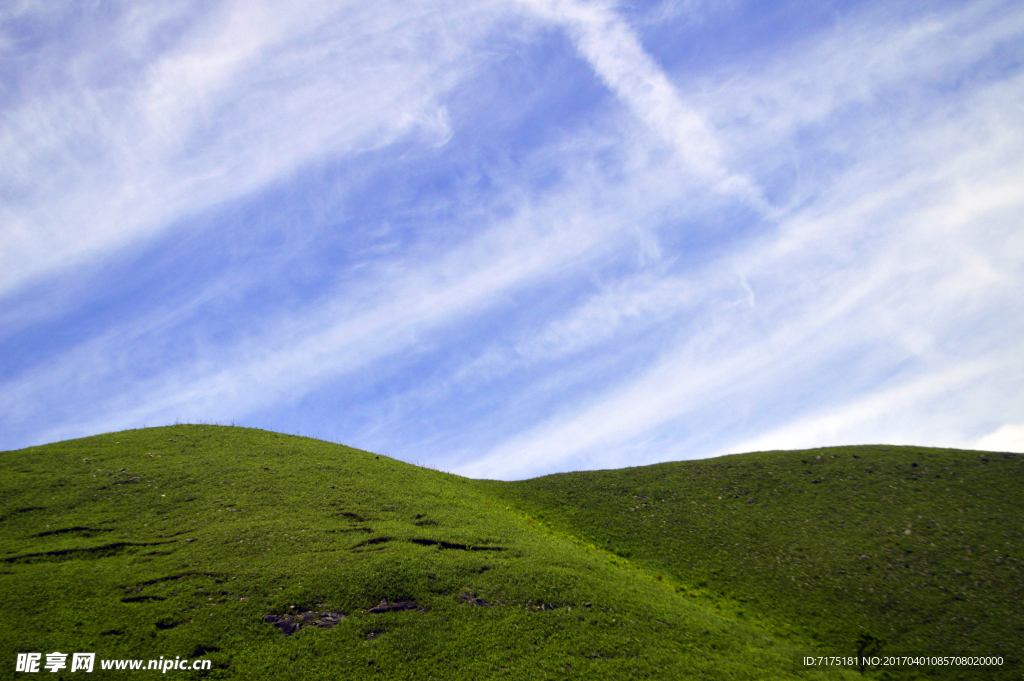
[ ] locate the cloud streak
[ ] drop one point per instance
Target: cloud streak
(613, 50)
(514, 238)
(247, 97)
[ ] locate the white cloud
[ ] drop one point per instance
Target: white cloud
(896, 415)
(898, 259)
(614, 51)
(873, 58)
(388, 312)
(688, 12)
(253, 92)
(1007, 438)
(880, 302)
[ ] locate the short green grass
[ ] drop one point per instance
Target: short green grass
(177, 541)
(918, 547)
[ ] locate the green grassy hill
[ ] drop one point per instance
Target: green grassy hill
(918, 547)
(184, 541)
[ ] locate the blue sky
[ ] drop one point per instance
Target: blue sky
(509, 238)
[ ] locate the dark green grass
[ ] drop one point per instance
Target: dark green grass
(919, 547)
(178, 541)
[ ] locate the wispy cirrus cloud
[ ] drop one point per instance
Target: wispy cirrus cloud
(613, 50)
(513, 238)
(884, 283)
(112, 145)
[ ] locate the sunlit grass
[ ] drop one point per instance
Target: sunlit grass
(180, 540)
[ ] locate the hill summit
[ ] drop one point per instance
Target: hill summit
(263, 555)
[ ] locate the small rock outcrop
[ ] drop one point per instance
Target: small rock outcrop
(289, 624)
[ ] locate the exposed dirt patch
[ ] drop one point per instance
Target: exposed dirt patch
(82, 531)
(352, 529)
(328, 619)
(25, 509)
(94, 552)
(182, 575)
(286, 625)
(468, 597)
(142, 599)
(289, 624)
(375, 540)
(166, 624)
(384, 606)
(451, 545)
(431, 542)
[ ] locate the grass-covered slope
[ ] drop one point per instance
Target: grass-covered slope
(922, 548)
(179, 541)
